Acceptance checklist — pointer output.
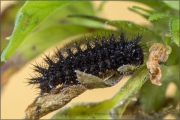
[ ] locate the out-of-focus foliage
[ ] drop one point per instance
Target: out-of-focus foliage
(27, 19)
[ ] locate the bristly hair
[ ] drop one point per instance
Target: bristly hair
(92, 57)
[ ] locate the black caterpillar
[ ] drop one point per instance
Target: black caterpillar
(104, 53)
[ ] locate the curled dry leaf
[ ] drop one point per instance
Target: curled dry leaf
(158, 53)
(45, 104)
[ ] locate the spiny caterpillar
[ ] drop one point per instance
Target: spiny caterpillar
(93, 57)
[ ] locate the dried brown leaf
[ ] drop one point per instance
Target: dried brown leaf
(158, 53)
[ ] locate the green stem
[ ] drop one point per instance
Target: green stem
(130, 88)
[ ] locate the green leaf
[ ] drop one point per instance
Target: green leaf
(141, 11)
(156, 16)
(28, 18)
(174, 30)
(172, 4)
(93, 18)
(158, 6)
(102, 110)
(7, 22)
(101, 6)
(130, 26)
(61, 16)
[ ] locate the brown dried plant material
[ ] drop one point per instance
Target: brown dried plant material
(158, 53)
(59, 97)
(45, 104)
